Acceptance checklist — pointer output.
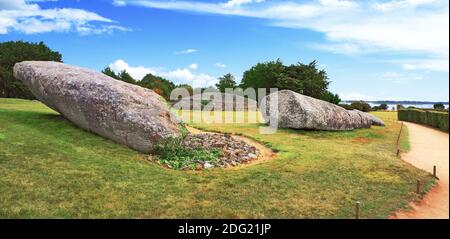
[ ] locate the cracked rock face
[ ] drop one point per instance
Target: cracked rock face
(125, 113)
(303, 112)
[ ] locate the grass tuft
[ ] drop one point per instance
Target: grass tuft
(172, 153)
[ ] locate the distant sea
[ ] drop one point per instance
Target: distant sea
(428, 105)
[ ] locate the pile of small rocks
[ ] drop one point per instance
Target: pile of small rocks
(233, 151)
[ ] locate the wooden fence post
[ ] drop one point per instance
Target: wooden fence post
(357, 209)
(398, 139)
(418, 186)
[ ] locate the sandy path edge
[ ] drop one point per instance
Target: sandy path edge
(429, 147)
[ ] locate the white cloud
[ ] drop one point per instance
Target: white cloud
(185, 76)
(390, 74)
(193, 66)
(427, 64)
(418, 27)
(27, 17)
(85, 30)
(137, 72)
(178, 76)
(119, 3)
(30, 1)
(396, 4)
(338, 3)
(237, 3)
(187, 51)
(400, 77)
(341, 48)
(220, 65)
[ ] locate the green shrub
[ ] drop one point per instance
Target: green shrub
(439, 106)
(427, 117)
(205, 102)
(346, 106)
(331, 97)
(376, 108)
(173, 153)
(361, 106)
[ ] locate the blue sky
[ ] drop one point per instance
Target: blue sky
(372, 50)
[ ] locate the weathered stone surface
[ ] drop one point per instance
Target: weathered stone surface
(125, 113)
(303, 112)
(360, 119)
(375, 120)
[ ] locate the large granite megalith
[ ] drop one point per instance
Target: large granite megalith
(125, 113)
(303, 112)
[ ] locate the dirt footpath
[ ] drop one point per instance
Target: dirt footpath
(429, 147)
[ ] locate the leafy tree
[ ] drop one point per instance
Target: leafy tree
(263, 75)
(399, 107)
(158, 91)
(226, 81)
(187, 87)
(383, 106)
(346, 106)
(125, 76)
(380, 107)
(439, 106)
(332, 98)
(153, 82)
(305, 79)
(16, 51)
(107, 71)
(286, 82)
(158, 84)
(361, 106)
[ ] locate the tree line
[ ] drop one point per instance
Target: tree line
(306, 79)
(12, 52)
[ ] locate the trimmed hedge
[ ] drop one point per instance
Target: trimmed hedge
(431, 118)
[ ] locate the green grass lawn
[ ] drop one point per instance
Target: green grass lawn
(51, 169)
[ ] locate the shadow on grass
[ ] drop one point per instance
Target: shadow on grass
(53, 125)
